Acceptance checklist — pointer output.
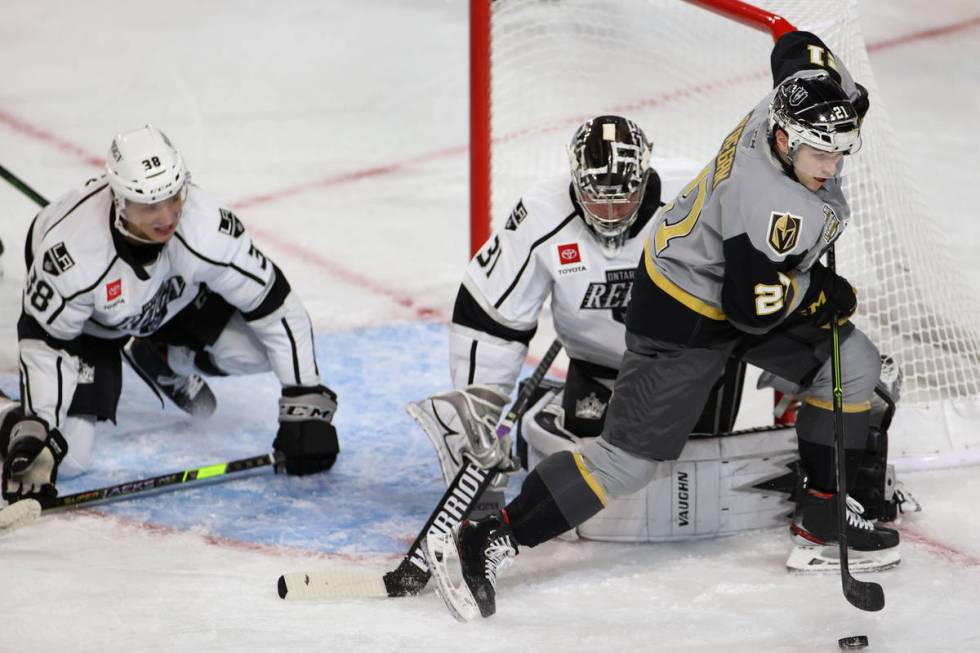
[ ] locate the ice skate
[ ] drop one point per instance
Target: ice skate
(190, 393)
(870, 547)
(466, 562)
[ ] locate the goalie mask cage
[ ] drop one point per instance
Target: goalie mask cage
(539, 68)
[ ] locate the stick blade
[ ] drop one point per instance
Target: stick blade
(864, 596)
(336, 584)
(19, 514)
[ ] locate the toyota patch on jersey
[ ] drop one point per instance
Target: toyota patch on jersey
(569, 254)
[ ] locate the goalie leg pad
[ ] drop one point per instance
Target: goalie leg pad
(463, 422)
(721, 485)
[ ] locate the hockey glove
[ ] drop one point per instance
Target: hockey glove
(306, 439)
(829, 295)
(30, 467)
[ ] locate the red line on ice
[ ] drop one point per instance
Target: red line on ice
(939, 549)
(379, 288)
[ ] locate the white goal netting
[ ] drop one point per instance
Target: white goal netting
(687, 76)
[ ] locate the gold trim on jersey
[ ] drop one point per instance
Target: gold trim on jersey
(698, 306)
(590, 479)
(862, 407)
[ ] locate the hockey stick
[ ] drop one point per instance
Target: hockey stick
(864, 595)
(23, 512)
(17, 183)
(412, 573)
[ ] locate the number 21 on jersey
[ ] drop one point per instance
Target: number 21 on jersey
(667, 232)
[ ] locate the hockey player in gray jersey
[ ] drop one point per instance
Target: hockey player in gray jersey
(731, 265)
(142, 252)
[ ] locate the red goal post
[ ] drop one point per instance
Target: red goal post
(480, 95)
(539, 68)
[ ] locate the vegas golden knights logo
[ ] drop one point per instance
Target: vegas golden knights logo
(784, 232)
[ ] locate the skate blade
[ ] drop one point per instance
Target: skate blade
(826, 559)
(442, 557)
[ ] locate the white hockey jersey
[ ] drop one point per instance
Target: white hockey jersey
(85, 279)
(544, 250)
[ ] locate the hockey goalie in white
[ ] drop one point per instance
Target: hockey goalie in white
(142, 258)
(578, 242)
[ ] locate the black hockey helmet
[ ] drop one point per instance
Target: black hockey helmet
(815, 110)
(609, 158)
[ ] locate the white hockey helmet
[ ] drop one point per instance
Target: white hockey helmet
(144, 167)
(609, 158)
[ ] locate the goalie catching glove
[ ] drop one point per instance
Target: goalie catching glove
(31, 459)
(464, 422)
(307, 440)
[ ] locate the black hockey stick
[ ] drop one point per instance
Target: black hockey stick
(412, 573)
(864, 595)
(18, 183)
(22, 512)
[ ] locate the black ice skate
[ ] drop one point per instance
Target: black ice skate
(814, 530)
(189, 393)
(465, 564)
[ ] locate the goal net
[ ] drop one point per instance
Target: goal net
(686, 76)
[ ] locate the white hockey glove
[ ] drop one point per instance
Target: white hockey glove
(306, 439)
(464, 423)
(30, 466)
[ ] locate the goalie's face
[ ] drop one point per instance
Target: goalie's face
(155, 222)
(611, 216)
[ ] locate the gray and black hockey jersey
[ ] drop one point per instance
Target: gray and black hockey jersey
(84, 278)
(545, 250)
(732, 253)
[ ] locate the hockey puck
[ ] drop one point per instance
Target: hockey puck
(852, 643)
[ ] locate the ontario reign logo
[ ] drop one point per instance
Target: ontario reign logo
(155, 310)
(613, 294)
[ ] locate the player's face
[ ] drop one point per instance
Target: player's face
(814, 167)
(156, 222)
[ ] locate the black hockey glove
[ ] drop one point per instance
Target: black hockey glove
(30, 466)
(829, 294)
(306, 439)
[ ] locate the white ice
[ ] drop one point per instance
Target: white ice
(338, 131)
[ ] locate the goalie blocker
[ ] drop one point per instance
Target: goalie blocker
(724, 482)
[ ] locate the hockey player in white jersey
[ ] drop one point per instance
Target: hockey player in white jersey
(143, 253)
(730, 265)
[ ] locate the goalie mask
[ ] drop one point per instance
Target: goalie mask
(610, 164)
(815, 111)
(144, 167)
